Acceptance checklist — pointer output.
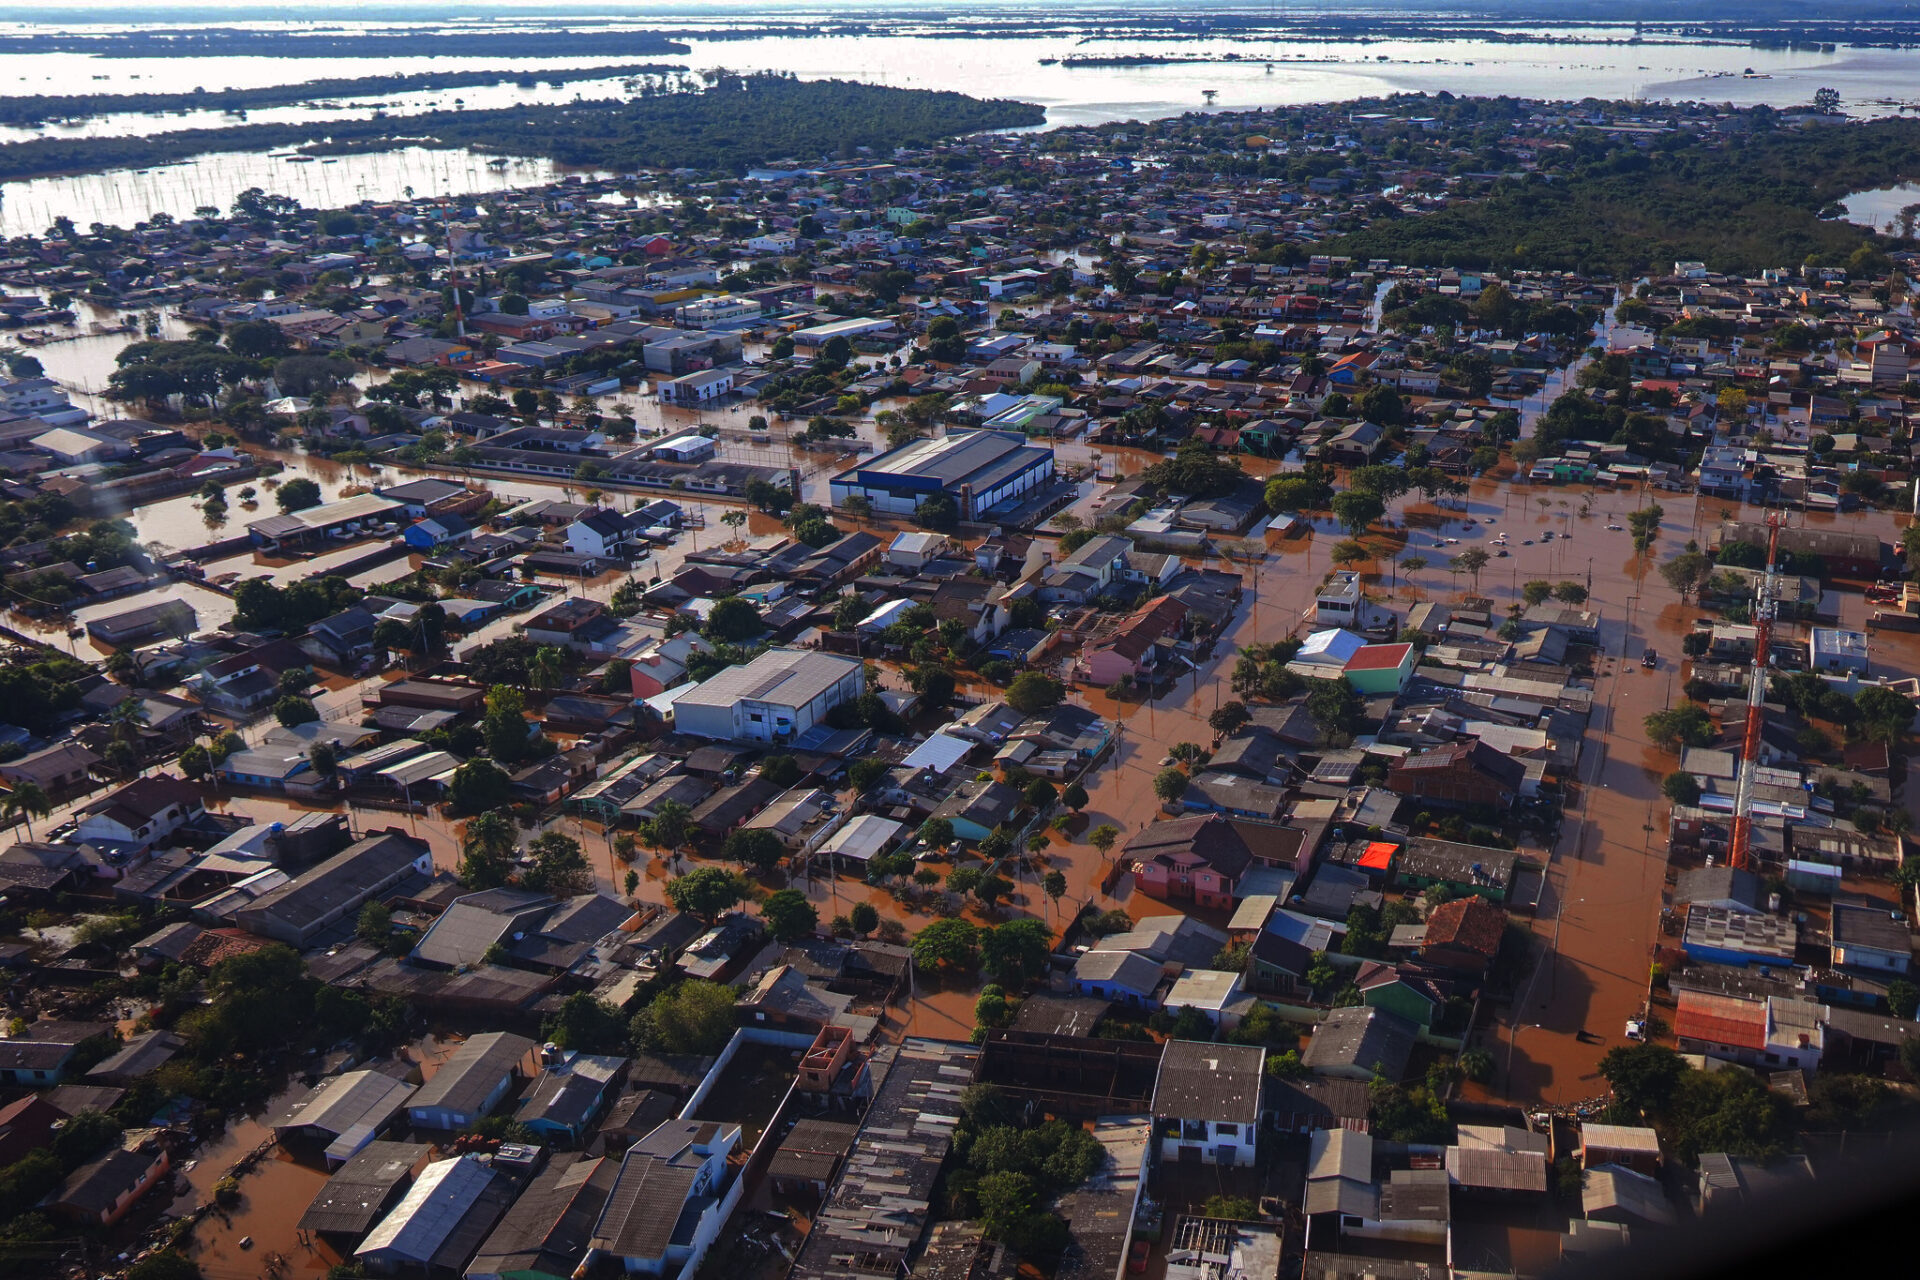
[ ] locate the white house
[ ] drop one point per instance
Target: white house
(1206, 1104)
(719, 313)
(144, 812)
(914, 549)
(689, 447)
(695, 388)
(774, 698)
(603, 533)
(669, 1202)
(774, 242)
(1338, 604)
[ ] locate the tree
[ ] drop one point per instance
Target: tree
(504, 725)
(754, 847)
(195, 762)
(1291, 493)
(1040, 793)
(297, 494)
(1470, 561)
(546, 666)
(1826, 101)
(1169, 784)
(294, 710)
(1347, 552)
(479, 786)
(1016, 952)
(1686, 725)
(25, 803)
(789, 915)
(1569, 593)
(1689, 572)
(951, 944)
(1229, 717)
(694, 1017)
(1032, 691)
(559, 867)
(1536, 592)
(324, 758)
(375, 924)
(708, 891)
(1357, 510)
(1644, 1077)
(1074, 797)
(1885, 715)
(864, 918)
(1053, 884)
(1336, 709)
(488, 850)
(1902, 998)
(937, 833)
(1103, 837)
(732, 620)
(1645, 525)
(864, 774)
(1682, 788)
(667, 829)
(587, 1025)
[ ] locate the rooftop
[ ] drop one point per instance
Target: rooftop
(1203, 1081)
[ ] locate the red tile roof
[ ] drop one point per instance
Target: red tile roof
(1470, 923)
(1721, 1020)
(1378, 657)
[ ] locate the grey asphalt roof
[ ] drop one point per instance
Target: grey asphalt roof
(347, 1100)
(1209, 1082)
(352, 1200)
(464, 1080)
(548, 1227)
(644, 1206)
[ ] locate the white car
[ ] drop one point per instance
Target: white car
(1636, 1028)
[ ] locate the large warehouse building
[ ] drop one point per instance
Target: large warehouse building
(979, 470)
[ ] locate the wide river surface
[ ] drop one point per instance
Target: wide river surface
(1238, 74)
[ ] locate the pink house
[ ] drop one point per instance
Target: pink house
(1199, 858)
(1130, 648)
(663, 664)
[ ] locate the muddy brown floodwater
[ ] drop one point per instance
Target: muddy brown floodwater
(1598, 919)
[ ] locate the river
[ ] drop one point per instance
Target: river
(1262, 73)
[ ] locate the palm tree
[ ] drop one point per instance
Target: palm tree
(543, 668)
(26, 801)
(126, 719)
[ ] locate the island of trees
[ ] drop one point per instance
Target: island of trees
(733, 123)
(37, 108)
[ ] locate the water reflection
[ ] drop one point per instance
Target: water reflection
(122, 197)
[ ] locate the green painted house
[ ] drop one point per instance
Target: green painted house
(1383, 986)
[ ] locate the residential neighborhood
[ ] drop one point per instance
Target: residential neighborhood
(856, 723)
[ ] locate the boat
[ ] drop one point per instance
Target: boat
(299, 159)
(246, 1242)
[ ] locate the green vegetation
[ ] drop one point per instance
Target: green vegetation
(1694, 1111)
(700, 130)
(1612, 207)
(261, 605)
(1009, 1171)
(694, 1017)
